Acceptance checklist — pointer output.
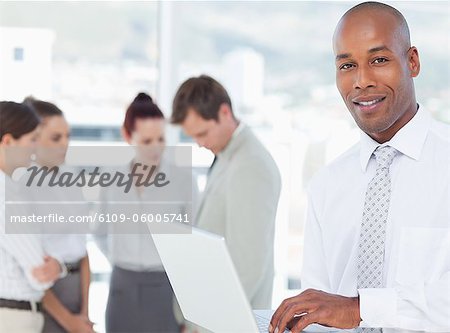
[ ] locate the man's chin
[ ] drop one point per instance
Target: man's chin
(373, 129)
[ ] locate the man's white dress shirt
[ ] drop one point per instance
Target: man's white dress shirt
(416, 276)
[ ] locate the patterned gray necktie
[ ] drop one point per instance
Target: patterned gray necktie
(373, 226)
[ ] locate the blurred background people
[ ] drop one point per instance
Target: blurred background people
(25, 271)
(241, 196)
(66, 303)
(140, 296)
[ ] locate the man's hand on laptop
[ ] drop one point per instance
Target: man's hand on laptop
(315, 307)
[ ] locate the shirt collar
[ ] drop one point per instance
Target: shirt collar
(409, 140)
(238, 129)
(234, 138)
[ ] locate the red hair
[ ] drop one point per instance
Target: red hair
(142, 107)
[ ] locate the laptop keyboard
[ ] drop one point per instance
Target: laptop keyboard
(263, 324)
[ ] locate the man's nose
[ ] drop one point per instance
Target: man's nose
(201, 142)
(364, 78)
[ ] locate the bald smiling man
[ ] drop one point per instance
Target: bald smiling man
(376, 251)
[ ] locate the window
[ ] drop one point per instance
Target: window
(90, 58)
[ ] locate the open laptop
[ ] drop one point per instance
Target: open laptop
(206, 284)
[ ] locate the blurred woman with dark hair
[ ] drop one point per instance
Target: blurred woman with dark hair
(66, 303)
(140, 295)
(25, 270)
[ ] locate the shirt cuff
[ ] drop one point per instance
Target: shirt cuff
(63, 268)
(377, 307)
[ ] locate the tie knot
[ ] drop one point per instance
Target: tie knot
(384, 156)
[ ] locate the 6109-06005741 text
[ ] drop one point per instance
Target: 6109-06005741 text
(101, 218)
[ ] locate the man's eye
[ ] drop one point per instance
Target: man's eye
(380, 60)
(345, 66)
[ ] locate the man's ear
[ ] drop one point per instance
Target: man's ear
(413, 61)
(125, 135)
(7, 139)
(225, 111)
